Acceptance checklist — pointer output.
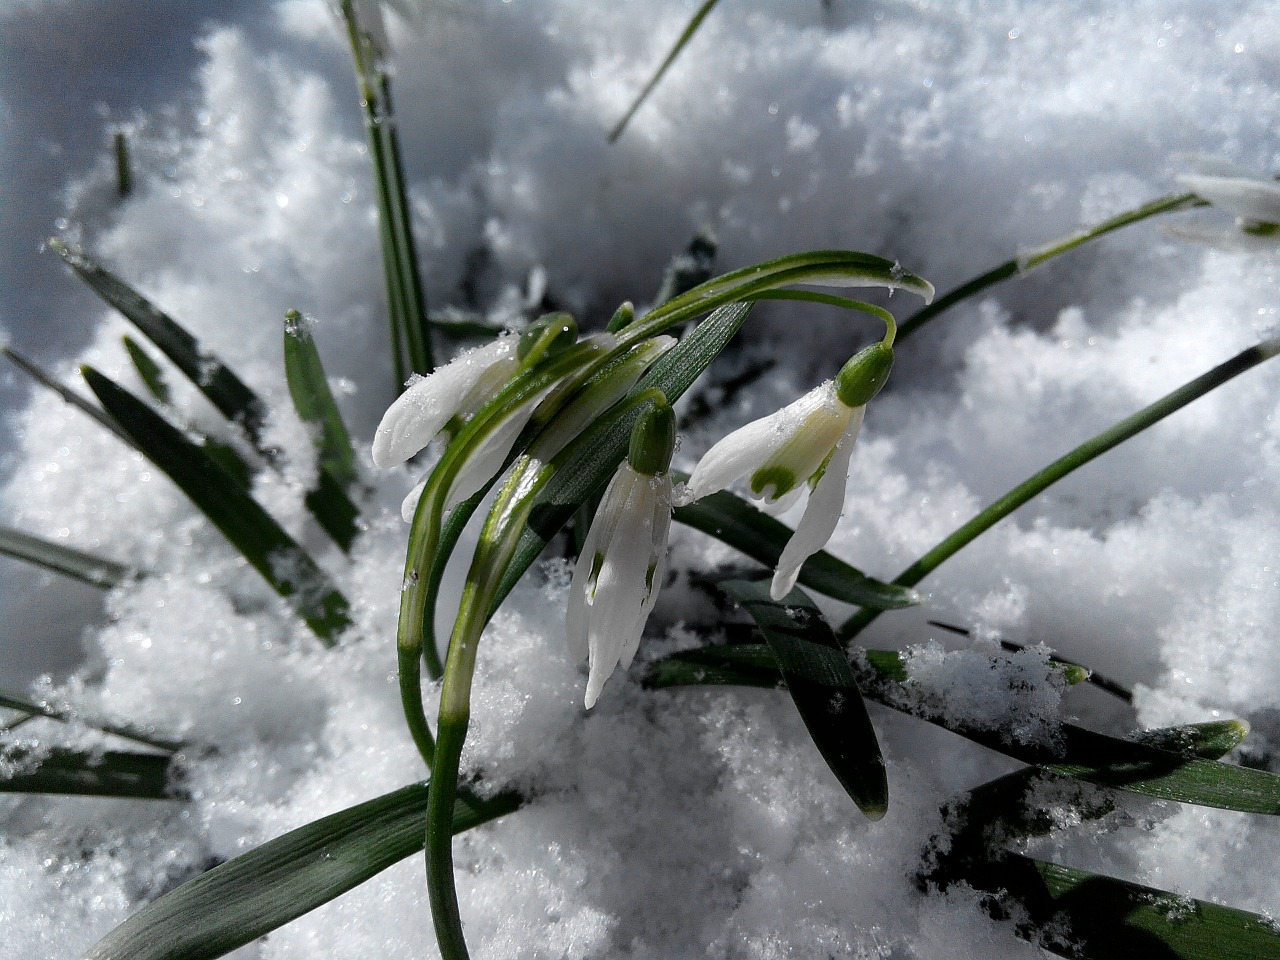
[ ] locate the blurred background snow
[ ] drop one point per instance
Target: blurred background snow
(947, 136)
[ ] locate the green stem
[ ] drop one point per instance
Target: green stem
(1025, 262)
(684, 38)
(1077, 458)
(441, 890)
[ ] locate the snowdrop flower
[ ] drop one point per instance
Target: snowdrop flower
(441, 402)
(1253, 200)
(620, 570)
(807, 443)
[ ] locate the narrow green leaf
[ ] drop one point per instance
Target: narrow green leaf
(406, 300)
(686, 35)
(824, 268)
(262, 541)
(124, 175)
(12, 700)
(586, 465)
(141, 776)
(1025, 262)
(825, 691)
(84, 567)
(314, 401)
(1107, 761)
(224, 389)
(733, 521)
(49, 382)
(262, 890)
(148, 370)
(1095, 917)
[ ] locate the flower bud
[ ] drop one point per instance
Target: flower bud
(653, 440)
(862, 377)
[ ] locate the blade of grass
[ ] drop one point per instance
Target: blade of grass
(328, 503)
(12, 700)
(1083, 754)
(824, 689)
(1094, 917)
(224, 389)
(312, 398)
(406, 301)
(262, 890)
(690, 29)
(47, 380)
(230, 508)
(138, 776)
(1025, 262)
(124, 176)
(77, 564)
(1032, 487)
(149, 371)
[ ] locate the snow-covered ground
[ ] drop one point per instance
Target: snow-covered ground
(683, 823)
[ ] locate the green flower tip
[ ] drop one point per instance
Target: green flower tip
(862, 377)
(548, 335)
(873, 812)
(1073, 673)
(653, 440)
(622, 317)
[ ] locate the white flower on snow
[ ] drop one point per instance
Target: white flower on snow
(620, 570)
(807, 443)
(454, 393)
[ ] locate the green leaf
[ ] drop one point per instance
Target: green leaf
(148, 370)
(262, 890)
(824, 689)
(224, 389)
(140, 776)
(1083, 754)
(1088, 915)
(12, 700)
(84, 567)
(586, 465)
(733, 521)
(314, 402)
(228, 505)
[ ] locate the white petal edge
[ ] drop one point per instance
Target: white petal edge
(748, 447)
(615, 619)
(821, 514)
(1250, 197)
(425, 407)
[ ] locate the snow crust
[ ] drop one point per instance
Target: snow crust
(680, 823)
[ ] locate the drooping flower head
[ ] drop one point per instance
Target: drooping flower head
(805, 445)
(620, 570)
(1253, 200)
(439, 404)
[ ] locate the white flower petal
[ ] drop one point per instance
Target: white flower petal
(821, 514)
(425, 407)
(1252, 198)
(581, 590)
(748, 447)
(616, 617)
(481, 466)
(409, 505)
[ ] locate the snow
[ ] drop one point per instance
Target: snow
(683, 822)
